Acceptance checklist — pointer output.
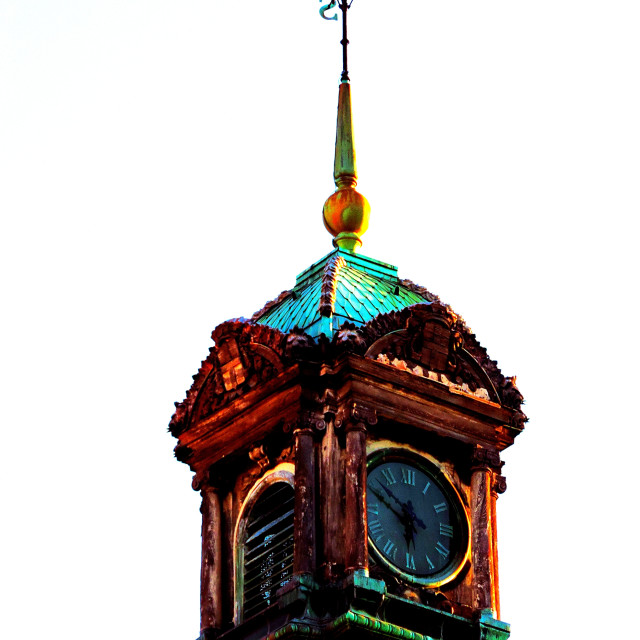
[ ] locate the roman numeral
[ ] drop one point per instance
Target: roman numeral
(408, 476)
(446, 530)
(426, 488)
(431, 565)
(388, 476)
(390, 549)
(376, 529)
(373, 509)
(439, 508)
(441, 549)
(410, 562)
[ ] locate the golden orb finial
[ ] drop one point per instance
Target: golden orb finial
(346, 212)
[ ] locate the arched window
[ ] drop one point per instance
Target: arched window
(268, 547)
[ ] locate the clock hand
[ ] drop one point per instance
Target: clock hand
(408, 517)
(387, 504)
(393, 496)
(408, 508)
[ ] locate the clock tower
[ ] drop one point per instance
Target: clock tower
(346, 443)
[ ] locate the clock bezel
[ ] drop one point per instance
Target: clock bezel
(462, 554)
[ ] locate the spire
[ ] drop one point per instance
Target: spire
(344, 166)
(346, 212)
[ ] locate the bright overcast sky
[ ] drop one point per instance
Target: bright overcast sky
(163, 166)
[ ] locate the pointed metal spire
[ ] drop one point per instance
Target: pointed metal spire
(344, 166)
(346, 212)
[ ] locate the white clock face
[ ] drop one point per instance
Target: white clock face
(415, 521)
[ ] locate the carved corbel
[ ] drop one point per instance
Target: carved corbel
(260, 457)
(182, 453)
(198, 482)
(499, 485)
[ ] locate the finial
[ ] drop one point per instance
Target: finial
(346, 212)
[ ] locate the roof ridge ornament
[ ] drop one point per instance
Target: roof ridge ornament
(346, 212)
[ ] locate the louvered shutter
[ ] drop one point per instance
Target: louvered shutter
(268, 547)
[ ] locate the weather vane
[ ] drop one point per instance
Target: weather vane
(344, 6)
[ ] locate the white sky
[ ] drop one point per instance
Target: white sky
(162, 168)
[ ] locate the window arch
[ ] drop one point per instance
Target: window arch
(266, 549)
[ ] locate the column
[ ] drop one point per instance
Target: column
(499, 485)
(305, 514)
(211, 570)
(331, 506)
(482, 529)
(355, 497)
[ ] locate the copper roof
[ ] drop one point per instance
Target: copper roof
(341, 287)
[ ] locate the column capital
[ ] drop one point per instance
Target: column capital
(356, 417)
(310, 421)
(488, 459)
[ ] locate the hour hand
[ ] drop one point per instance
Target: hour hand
(407, 507)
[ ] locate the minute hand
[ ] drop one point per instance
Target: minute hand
(387, 504)
(408, 518)
(407, 507)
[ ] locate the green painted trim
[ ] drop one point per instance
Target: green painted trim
(379, 626)
(347, 619)
(493, 629)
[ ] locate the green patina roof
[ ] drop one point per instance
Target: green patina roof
(340, 287)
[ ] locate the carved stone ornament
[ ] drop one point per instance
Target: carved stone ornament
(499, 484)
(429, 343)
(300, 346)
(427, 340)
(259, 456)
(311, 420)
(244, 356)
(486, 458)
(357, 416)
(349, 338)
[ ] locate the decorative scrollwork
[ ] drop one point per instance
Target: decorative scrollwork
(482, 458)
(499, 484)
(326, 8)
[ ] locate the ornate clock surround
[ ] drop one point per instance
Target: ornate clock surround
(450, 544)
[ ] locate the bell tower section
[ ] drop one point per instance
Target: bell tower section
(346, 443)
(349, 482)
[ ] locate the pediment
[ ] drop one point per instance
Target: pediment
(244, 356)
(427, 340)
(430, 341)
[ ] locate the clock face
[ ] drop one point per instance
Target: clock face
(416, 523)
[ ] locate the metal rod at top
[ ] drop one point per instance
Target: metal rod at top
(344, 7)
